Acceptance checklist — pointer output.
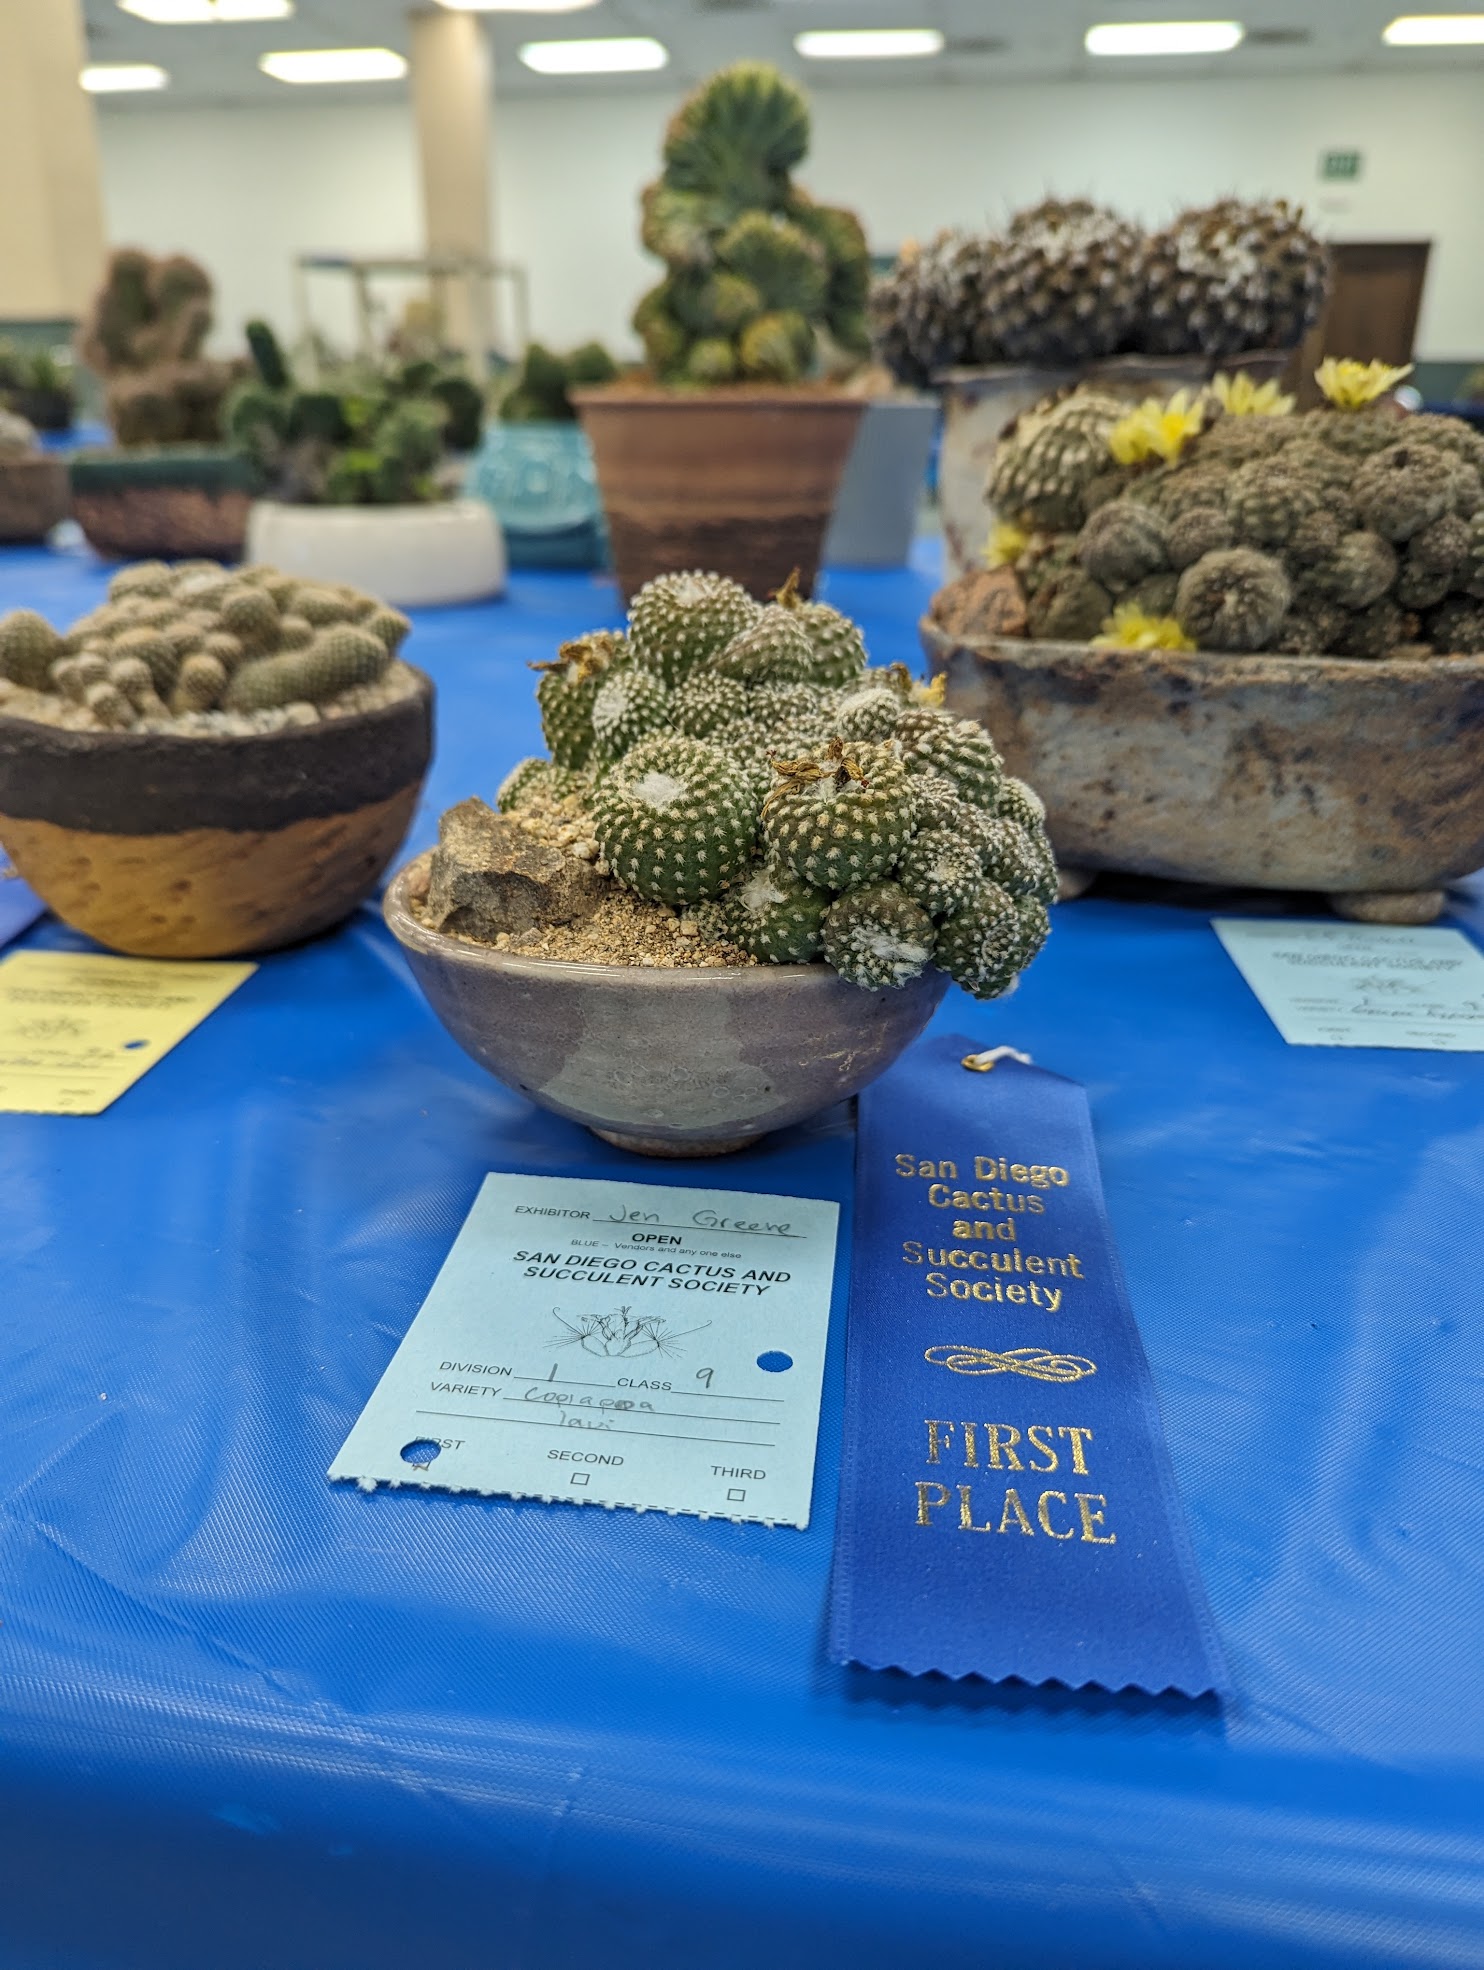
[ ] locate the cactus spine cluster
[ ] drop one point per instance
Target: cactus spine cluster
(741, 761)
(143, 336)
(1237, 525)
(761, 284)
(197, 637)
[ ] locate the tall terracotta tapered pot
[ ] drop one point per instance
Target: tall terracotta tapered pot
(742, 482)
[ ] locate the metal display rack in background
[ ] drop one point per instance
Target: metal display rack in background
(478, 277)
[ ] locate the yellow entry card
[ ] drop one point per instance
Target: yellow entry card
(76, 1030)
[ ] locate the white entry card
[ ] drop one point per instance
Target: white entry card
(673, 1340)
(1362, 985)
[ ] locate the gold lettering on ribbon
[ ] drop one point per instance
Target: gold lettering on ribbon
(1040, 1364)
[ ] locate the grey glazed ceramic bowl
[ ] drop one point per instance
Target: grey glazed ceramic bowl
(666, 1063)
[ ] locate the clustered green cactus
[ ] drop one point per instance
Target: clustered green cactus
(743, 762)
(197, 637)
(373, 440)
(539, 390)
(1346, 531)
(761, 283)
(144, 336)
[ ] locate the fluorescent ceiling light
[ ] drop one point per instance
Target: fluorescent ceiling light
(334, 65)
(194, 13)
(516, 6)
(1163, 37)
(1435, 31)
(867, 44)
(621, 55)
(115, 78)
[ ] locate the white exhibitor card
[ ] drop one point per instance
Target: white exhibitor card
(1362, 985)
(614, 1344)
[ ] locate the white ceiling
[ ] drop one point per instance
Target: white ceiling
(987, 41)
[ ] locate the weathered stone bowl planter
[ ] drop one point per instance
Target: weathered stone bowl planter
(168, 845)
(1362, 780)
(662, 1062)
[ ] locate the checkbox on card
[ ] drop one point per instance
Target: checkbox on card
(580, 1477)
(735, 1497)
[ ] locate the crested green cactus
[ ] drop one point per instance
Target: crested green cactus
(760, 281)
(838, 646)
(679, 622)
(940, 870)
(985, 945)
(840, 816)
(676, 819)
(876, 936)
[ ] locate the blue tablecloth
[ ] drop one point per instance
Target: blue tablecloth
(254, 1722)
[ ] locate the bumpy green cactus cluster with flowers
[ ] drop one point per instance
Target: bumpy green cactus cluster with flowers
(761, 283)
(197, 637)
(1234, 524)
(743, 762)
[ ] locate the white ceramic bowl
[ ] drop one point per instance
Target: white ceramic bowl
(449, 551)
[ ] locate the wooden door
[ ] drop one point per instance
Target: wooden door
(1375, 298)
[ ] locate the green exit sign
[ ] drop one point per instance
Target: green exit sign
(1339, 164)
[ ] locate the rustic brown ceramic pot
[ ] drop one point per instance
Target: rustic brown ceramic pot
(169, 845)
(33, 496)
(740, 482)
(666, 1063)
(1363, 780)
(170, 505)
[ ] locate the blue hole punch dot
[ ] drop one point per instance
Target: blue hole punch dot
(420, 1453)
(773, 1362)
(130, 1046)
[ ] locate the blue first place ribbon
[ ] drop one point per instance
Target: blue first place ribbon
(1007, 1506)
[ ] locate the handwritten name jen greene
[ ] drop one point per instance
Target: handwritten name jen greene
(976, 1237)
(591, 1267)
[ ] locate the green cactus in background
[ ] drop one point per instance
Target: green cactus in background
(676, 819)
(533, 777)
(143, 337)
(761, 282)
(539, 391)
(375, 440)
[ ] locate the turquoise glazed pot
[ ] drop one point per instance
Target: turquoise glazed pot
(540, 481)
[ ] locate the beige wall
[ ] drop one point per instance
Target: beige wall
(51, 214)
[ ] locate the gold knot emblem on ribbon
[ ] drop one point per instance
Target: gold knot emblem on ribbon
(1040, 1364)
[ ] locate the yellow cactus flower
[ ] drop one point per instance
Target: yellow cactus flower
(932, 693)
(1129, 628)
(1239, 396)
(1156, 430)
(1007, 543)
(1351, 385)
